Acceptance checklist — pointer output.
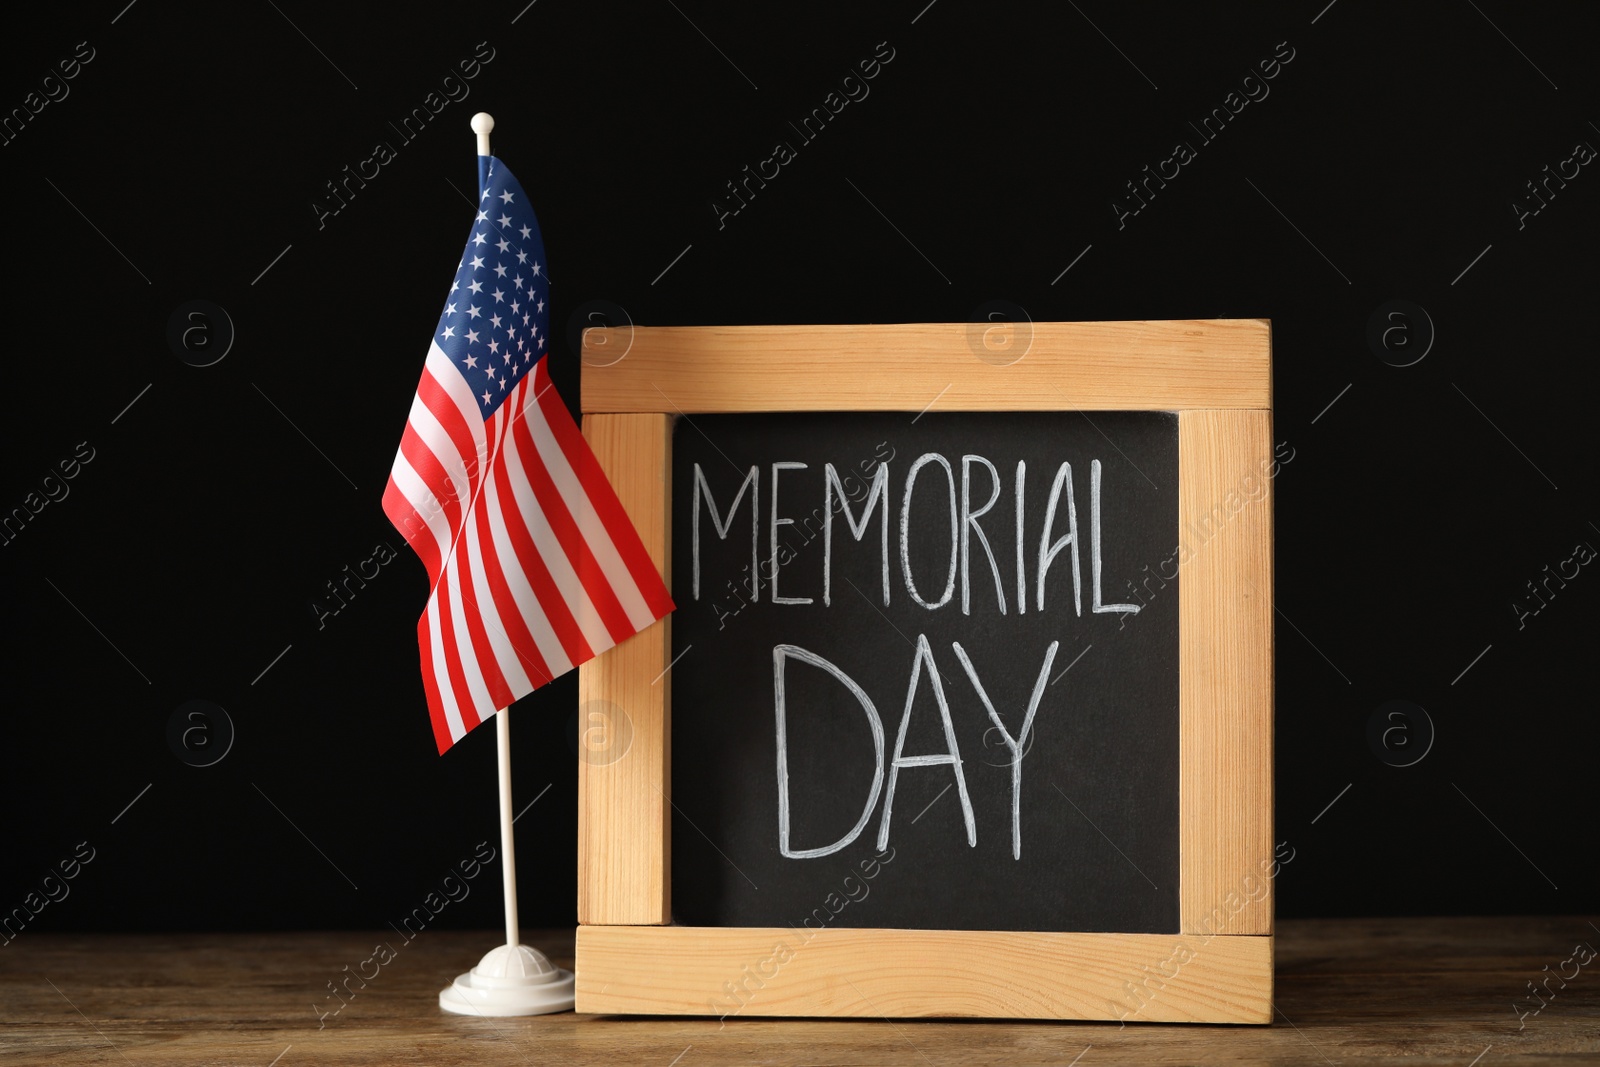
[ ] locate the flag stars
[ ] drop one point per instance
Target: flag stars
(512, 332)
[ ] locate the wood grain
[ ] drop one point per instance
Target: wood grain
(624, 706)
(1225, 671)
(1090, 366)
(670, 970)
(1418, 992)
(1216, 374)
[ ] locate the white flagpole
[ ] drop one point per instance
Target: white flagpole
(508, 852)
(513, 979)
(483, 125)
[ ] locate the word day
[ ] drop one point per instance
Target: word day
(951, 757)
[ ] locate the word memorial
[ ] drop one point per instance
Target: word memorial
(941, 642)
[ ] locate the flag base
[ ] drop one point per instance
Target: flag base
(510, 980)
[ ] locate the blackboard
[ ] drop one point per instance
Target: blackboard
(1094, 844)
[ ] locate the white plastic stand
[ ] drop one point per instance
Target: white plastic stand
(512, 979)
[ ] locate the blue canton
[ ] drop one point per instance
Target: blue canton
(495, 321)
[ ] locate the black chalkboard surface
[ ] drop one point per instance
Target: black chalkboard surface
(789, 689)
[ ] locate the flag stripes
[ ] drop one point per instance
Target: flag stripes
(534, 567)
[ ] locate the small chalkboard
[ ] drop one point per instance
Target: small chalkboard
(1042, 551)
(964, 667)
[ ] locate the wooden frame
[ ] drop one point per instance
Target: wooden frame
(1216, 374)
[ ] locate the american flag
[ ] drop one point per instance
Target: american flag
(532, 563)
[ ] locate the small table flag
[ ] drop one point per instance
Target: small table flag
(533, 566)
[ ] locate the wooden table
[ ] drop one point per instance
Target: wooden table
(1418, 991)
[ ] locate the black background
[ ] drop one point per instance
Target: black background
(185, 163)
(1101, 756)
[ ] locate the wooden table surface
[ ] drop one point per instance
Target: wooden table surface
(1418, 991)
